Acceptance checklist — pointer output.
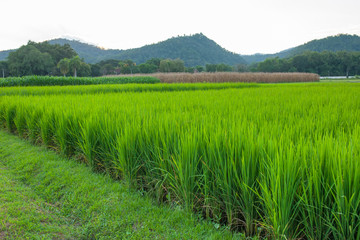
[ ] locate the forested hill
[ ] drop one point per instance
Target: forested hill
(341, 42)
(193, 50)
(90, 53)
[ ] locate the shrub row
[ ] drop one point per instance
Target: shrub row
(62, 81)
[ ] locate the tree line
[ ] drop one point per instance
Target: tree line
(56, 60)
(61, 60)
(326, 63)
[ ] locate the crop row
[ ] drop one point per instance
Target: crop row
(219, 77)
(63, 81)
(119, 88)
(280, 162)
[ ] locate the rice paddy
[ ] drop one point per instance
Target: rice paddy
(276, 161)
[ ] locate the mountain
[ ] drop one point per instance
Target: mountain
(193, 50)
(90, 53)
(340, 42)
(199, 50)
(5, 54)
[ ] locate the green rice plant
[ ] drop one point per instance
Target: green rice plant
(316, 196)
(183, 177)
(129, 160)
(46, 126)
(19, 120)
(276, 161)
(346, 179)
(32, 124)
(280, 181)
(9, 116)
(88, 141)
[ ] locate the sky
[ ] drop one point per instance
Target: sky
(240, 26)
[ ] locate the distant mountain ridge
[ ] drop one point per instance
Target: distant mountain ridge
(197, 49)
(193, 50)
(340, 42)
(90, 53)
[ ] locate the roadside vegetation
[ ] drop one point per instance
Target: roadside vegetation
(277, 161)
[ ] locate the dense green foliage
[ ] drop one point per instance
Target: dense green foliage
(341, 42)
(281, 161)
(62, 81)
(45, 196)
(324, 63)
(37, 59)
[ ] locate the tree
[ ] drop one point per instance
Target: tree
(38, 58)
(63, 65)
(127, 66)
(84, 70)
(95, 70)
(3, 67)
(169, 65)
(147, 68)
(154, 61)
(28, 60)
(210, 67)
(164, 65)
(346, 61)
(75, 64)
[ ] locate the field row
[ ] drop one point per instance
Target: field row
(120, 88)
(64, 81)
(219, 77)
(280, 161)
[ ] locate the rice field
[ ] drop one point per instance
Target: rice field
(276, 161)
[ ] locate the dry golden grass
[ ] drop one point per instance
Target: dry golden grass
(236, 77)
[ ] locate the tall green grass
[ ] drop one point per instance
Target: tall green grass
(280, 162)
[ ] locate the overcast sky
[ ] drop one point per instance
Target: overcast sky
(245, 27)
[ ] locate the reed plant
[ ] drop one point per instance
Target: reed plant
(221, 77)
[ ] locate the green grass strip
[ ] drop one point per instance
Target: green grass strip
(62, 199)
(24, 215)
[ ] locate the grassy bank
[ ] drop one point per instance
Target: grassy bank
(44, 196)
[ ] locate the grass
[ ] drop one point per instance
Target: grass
(44, 196)
(25, 215)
